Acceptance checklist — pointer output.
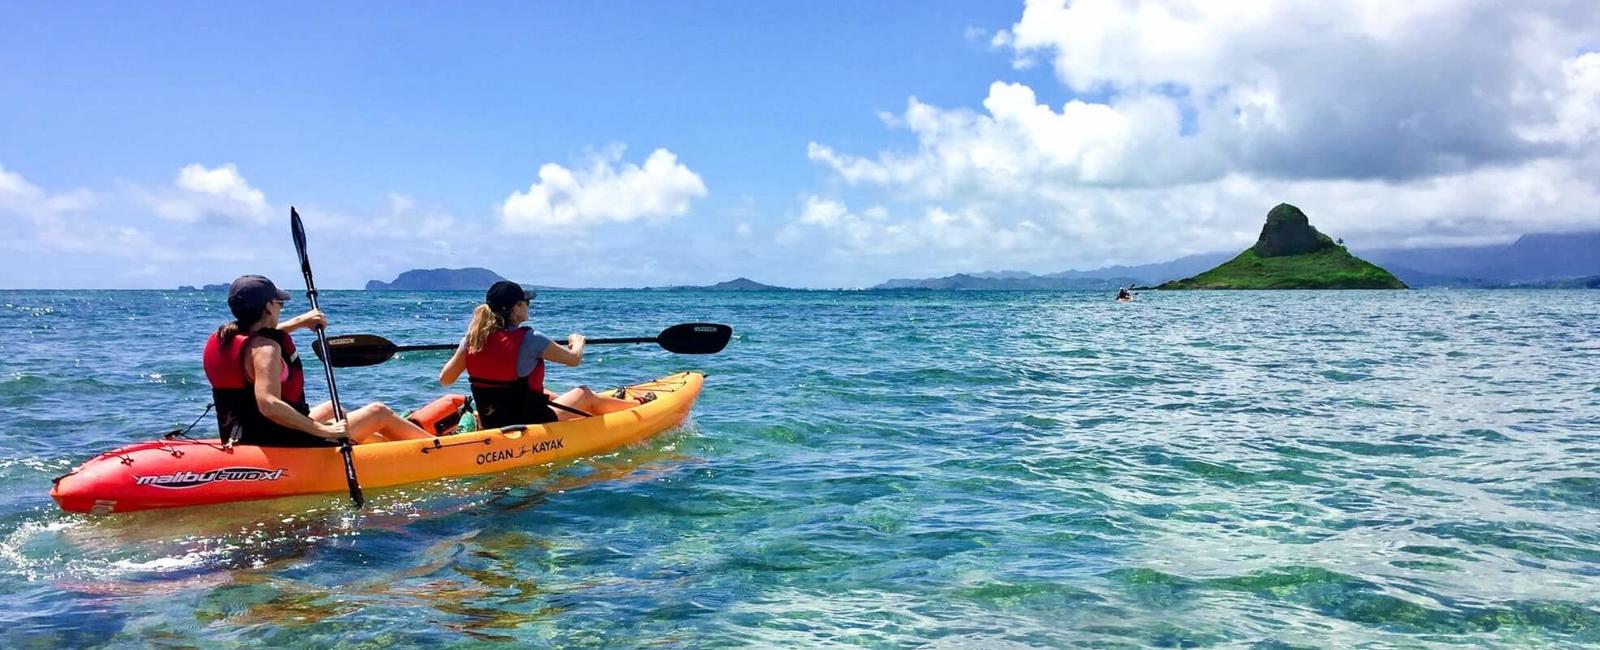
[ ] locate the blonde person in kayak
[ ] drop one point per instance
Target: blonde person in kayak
(504, 361)
(258, 385)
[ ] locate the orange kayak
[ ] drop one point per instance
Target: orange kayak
(178, 473)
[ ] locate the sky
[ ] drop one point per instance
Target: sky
(148, 145)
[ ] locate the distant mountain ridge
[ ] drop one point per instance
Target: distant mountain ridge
(1531, 258)
(965, 281)
(1110, 277)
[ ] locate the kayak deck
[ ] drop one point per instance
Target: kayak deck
(177, 473)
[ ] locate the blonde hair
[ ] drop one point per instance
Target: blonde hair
(485, 321)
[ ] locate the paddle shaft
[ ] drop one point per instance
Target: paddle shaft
(327, 368)
(452, 346)
(357, 350)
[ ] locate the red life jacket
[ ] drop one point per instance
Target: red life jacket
(503, 397)
(239, 418)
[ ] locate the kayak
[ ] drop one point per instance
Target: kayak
(182, 472)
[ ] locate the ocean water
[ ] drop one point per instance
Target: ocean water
(884, 469)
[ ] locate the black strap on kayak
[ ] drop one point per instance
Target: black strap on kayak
(184, 432)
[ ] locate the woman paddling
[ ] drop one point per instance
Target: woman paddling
(504, 361)
(258, 385)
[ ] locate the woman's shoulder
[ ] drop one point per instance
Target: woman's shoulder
(261, 341)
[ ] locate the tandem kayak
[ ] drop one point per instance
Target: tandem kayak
(182, 472)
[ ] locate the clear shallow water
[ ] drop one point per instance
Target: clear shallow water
(1274, 469)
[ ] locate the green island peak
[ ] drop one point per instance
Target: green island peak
(1291, 254)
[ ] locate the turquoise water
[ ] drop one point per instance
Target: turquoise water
(1278, 469)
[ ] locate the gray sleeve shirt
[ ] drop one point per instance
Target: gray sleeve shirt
(533, 347)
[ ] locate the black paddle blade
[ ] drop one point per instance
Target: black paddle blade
(357, 350)
(695, 338)
(299, 232)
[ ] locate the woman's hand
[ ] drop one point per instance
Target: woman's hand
(570, 354)
(334, 430)
(311, 319)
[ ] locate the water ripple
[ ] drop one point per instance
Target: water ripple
(970, 469)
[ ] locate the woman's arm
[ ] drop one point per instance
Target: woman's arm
(310, 319)
(454, 367)
(570, 354)
(266, 362)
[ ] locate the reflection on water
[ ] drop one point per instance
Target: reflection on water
(252, 565)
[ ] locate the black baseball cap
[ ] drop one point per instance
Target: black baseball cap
(254, 291)
(505, 294)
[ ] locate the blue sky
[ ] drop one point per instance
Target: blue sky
(806, 144)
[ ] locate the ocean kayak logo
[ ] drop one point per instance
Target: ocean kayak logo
(512, 454)
(185, 480)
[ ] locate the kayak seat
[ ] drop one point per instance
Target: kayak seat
(441, 417)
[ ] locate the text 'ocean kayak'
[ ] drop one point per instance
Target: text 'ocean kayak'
(177, 473)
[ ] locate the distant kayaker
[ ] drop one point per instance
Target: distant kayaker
(259, 388)
(504, 361)
(1124, 295)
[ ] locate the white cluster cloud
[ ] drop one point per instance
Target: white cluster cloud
(1020, 145)
(201, 193)
(20, 198)
(210, 224)
(155, 227)
(56, 222)
(603, 192)
(875, 231)
(1442, 120)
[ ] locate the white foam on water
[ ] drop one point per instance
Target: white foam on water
(12, 549)
(162, 564)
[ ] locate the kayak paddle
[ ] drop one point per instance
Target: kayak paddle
(370, 349)
(299, 233)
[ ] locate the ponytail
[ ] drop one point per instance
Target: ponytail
(244, 317)
(485, 321)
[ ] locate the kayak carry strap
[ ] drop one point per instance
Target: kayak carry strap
(184, 432)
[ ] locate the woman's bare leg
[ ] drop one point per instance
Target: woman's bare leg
(374, 422)
(586, 400)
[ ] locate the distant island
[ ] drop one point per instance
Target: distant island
(478, 279)
(736, 284)
(439, 280)
(1292, 254)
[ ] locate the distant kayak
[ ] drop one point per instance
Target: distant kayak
(182, 472)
